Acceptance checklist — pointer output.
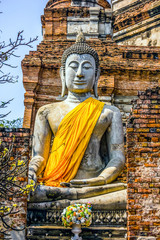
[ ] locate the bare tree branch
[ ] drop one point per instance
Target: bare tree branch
(7, 50)
(4, 115)
(7, 78)
(12, 165)
(4, 105)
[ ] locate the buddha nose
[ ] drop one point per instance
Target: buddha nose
(79, 72)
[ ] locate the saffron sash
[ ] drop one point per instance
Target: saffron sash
(70, 142)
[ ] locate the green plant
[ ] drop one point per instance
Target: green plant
(16, 123)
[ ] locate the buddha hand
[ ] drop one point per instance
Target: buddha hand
(78, 183)
(35, 166)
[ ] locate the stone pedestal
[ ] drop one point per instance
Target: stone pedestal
(44, 222)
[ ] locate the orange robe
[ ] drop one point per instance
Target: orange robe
(70, 142)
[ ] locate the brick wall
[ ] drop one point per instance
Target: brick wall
(136, 22)
(133, 13)
(143, 165)
(124, 71)
(21, 142)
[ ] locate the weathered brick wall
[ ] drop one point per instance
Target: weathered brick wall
(136, 22)
(124, 69)
(21, 142)
(143, 165)
(133, 13)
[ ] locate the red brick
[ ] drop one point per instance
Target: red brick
(155, 139)
(144, 180)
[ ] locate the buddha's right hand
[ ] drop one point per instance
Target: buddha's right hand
(32, 177)
(34, 169)
(32, 180)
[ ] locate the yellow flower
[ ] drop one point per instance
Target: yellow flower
(20, 162)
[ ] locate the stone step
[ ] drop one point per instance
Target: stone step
(69, 238)
(61, 233)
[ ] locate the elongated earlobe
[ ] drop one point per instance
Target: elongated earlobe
(63, 93)
(95, 86)
(64, 88)
(95, 89)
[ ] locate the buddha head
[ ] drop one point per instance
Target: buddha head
(80, 68)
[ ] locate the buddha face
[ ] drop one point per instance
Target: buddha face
(80, 73)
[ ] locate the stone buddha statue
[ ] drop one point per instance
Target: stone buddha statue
(87, 154)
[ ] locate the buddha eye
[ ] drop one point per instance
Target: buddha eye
(73, 65)
(87, 66)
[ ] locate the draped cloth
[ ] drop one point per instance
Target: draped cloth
(70, 142)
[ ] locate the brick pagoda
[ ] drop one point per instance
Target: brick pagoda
(124, 69)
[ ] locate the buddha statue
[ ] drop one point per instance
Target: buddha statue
(87, 154)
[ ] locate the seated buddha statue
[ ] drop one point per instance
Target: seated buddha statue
(87, 153)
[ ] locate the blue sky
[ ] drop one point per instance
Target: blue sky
(19, 15)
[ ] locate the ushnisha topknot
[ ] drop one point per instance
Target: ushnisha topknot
(80, 47)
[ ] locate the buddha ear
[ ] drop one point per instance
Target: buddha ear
(95, 86)
(63, 82)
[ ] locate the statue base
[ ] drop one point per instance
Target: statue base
(109, 218)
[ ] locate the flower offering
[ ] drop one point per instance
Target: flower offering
(77, 214)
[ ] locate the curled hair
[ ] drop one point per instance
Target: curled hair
(80, 47)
